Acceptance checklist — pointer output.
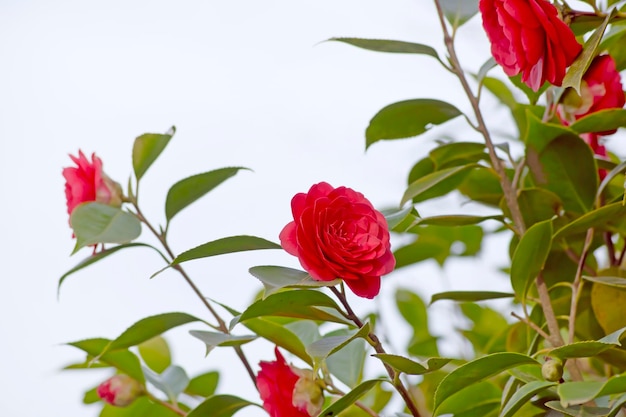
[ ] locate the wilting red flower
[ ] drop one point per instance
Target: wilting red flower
(593, 140)
(337, 233)
(601, 89)
(528, 37)
(87, 182)
(288, 391)
(119, 390)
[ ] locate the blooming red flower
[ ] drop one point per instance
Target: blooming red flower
(87, 182)
(119, 390)
(337, 233)
(528, 37)
(287, 391)
(601, 89)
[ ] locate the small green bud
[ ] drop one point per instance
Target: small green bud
(552, 369)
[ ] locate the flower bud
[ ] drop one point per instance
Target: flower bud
(120, 390)
(552, 369)
(307, 393)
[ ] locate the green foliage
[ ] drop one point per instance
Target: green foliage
(223, 246)
(203, 385)
(95, 223)
(350, 398)
(220, 406)
(155, 353)
(147, 149)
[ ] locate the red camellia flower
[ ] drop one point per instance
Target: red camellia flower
(288, 391)
(87, 182)
(528, 37)
(601, 89)
(337, 233)
(119, 390)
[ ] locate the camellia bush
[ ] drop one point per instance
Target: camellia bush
(554, 190)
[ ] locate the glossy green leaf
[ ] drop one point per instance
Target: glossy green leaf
(306, 330)
(614, 172)
(576, 71)
(326, 346)
(347, 363)
(479, 399)
(602, 120)
(99, 223)
(350, 398)
(141, 407)
(478, 370)
(456, 220)
(156, 354)
(614, 45)
(530, 256)
(483, 186)
(589, 348)
(220, 406)
(411, 367)
(225, 245)
(123, 360)
(147, 149)
(616, 406)
(578, 410)
(203, 385)
(304, 304)
(150, 327)
(459, 11)
(275, 278)
(399, 217)
(384, 45)
(99, 256)
(500, 90)
(485, 68)
(617, 282)
(436, 180)
(172, 381)
(581, 392)
(91, 396)
(279, 335)
(212, 339)
(604, 218)
(408, 118)
(457, 153)
(465, 296)
(536, 205)
(488, 329)
(413, 310)
(190, 189)
(523, 395)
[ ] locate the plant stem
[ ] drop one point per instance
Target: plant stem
(378, 347)
(221, 324)
(167, 405)
(577, 286)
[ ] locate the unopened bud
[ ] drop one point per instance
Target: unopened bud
(552, 370)
(120, 390)
(307, 393)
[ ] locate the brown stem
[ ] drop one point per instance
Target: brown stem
(378, 347)
(577, 286)
(221, 324)
(531, 324)
(574, 257)
(610, 248)
(555, 338)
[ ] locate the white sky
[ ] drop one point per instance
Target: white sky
(247, 83)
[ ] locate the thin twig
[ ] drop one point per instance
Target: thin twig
(166, 404)
(574, 257)
(531, 324)
(577, 286)
(610, 248)
(378, 347)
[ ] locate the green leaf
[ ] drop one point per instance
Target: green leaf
(530, 256)
(574, 75)
(156, 354)
(617, 406)
(347, 363)
(141, 407)
(459, 11)
(617, 282)
(523, 396)
(578, 410)
(350, 398)
(456, 220)
(413, 310)
(91, 396)
(306, 330)
(98, 223)
(203, 385)
(150, 327)
(478, 370)
(220, 406)
(457, 153)
(604, 218)
(600, 121)
(275, 278)
(304, 304)
(326, 346)
(212, 339)
(411, 367)
(99, 256)
(172, 382)
(614, 45)
(123, 360)
(225, 245)
(479, 399)
(147, 149)
(408, 118)
(500, 90)
(190, 189)
(588, 348)
(384, 45)
(278, 335)
(437, 180)
(464, 296)
(581, 392)
(484, 69)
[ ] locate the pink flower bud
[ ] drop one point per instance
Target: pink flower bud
(120, 390)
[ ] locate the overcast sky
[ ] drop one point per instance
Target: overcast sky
(247, 83)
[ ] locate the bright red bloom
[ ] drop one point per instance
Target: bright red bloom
(87, 182)
(601, 89)
(337, 233)
(528, 37)
(287, 391)
(119, 390)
